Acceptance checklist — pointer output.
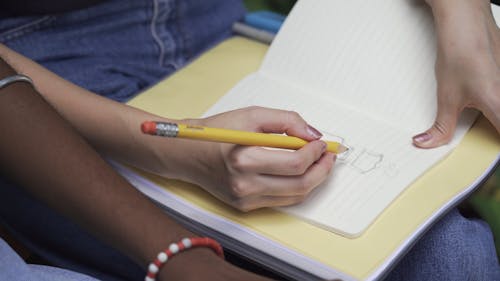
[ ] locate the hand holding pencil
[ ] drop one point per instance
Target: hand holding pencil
(235, 165)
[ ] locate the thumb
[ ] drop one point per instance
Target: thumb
(442, 131)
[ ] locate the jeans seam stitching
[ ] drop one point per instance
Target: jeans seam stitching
(154, 33)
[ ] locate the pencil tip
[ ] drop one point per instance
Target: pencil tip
(342, 149)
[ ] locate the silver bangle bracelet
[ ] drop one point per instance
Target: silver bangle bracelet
(15, 78)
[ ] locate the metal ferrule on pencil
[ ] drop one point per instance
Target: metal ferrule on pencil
(164, 129)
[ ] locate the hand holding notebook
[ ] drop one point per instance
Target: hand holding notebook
(467, 66)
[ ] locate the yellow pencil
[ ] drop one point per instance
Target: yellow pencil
(174, 130)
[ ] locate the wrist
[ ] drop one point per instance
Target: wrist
(463, 27)
(203, 262)
(5, 69)
(11, 81)
(190, 265)
(451, 5)
(453, 11)
(183, 256)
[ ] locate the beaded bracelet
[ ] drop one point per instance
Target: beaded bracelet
(14, 78)
(180, 246)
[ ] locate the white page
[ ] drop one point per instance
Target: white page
(373, 174)
(376, 119)
(364, 54)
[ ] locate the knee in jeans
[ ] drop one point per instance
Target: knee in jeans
(467, 248)
(455, 248)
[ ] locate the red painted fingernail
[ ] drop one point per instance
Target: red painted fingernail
(421, 138)
(313, 132)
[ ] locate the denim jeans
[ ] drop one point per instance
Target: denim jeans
(455, 248)
(13, 267)
(120, 47)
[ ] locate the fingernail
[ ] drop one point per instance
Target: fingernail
(313, 132)
(421, 138)
(324, 147)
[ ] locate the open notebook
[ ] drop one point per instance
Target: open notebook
(277, 240)
(361, 72)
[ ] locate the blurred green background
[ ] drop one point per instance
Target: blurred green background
(279, 6)
(484, 203)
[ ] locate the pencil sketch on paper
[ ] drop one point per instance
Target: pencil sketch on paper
(332, 137)
(363, 161)
(367, 161)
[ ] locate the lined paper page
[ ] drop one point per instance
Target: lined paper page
(381, 164)
(364, 54)
(362, 71)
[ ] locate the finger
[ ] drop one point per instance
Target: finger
(260, 160)
(283, 121)
(298, 185)
(444, 126)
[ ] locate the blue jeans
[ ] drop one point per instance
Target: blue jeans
(456, 248)
(13, 267)
(120, 47)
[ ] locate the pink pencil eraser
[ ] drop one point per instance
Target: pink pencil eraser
(148, 127)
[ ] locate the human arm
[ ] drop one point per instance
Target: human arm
(244, 177)
(42, 153)
(467, 66)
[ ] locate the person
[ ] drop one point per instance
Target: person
(116, 48)
(113, 129)
(57, 166)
